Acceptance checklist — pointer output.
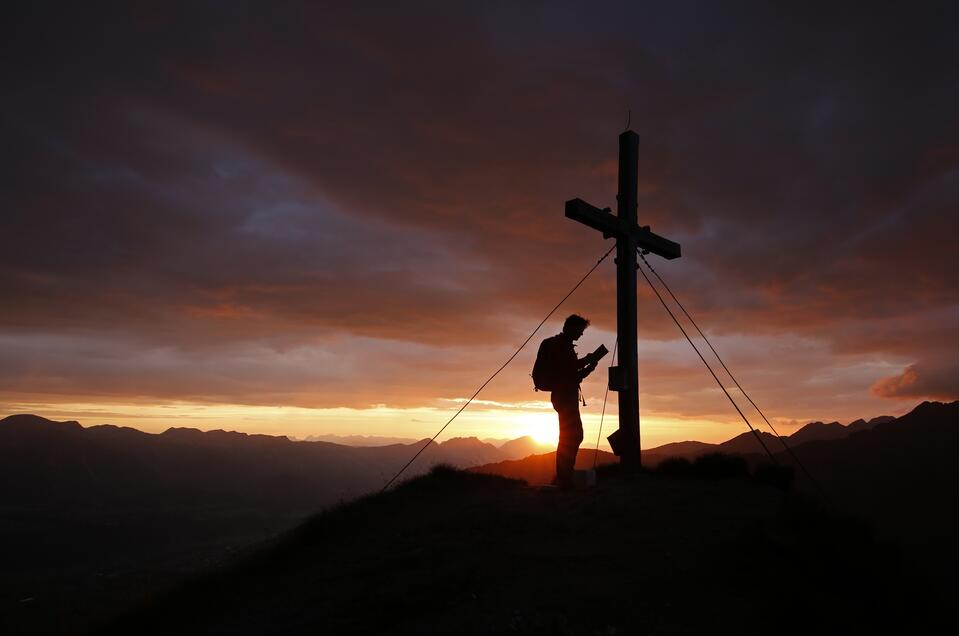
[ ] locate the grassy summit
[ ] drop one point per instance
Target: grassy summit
(454, 552)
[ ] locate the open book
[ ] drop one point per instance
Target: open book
(598, 355)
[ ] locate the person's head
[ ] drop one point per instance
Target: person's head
(574, 326)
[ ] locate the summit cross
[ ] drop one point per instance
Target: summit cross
(629, 236)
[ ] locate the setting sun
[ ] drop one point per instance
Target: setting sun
(541, 426)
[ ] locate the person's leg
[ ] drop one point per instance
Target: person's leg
(575, 435)
(560, 412)
(569, 423)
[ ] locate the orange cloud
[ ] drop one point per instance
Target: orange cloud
(921, 381)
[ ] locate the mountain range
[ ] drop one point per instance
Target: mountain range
(65, 464)
(747, 444)
(539, 469)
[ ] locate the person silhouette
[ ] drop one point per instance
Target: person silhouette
(566, 371)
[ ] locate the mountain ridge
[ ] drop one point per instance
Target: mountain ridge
(690, 448)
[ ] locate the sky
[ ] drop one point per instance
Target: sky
(341, 218)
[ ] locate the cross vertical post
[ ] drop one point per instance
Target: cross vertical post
(629, 237)
(626, 301)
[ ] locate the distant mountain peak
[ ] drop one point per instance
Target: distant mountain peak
(29, 418)
(219, 437)
(523, 447)
(819, 431)
(931, 406)
(27, 423)
(465, 441)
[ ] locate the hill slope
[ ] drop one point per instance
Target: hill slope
(475, 554)
(902, 475)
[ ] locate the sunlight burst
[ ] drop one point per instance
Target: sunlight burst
(541, 426)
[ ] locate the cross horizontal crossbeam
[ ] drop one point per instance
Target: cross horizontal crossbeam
(614, 226)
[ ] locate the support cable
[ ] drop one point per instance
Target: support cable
(495, 373)
(709, 368)
(781, 439)
(599, 435)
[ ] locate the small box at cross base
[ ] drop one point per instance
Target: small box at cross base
(617, 379)
(616, 442)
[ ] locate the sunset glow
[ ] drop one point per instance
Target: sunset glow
(357, 255)
(412, 423)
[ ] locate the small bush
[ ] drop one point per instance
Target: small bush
(675, 467)
(712, 467)
(780, 477)
(720, 466)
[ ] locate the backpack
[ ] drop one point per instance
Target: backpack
(544, 370)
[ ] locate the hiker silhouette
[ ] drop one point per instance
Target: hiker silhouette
(559, 371)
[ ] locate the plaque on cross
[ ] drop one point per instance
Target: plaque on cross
(629, 237)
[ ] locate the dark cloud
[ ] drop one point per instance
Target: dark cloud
(212, 182)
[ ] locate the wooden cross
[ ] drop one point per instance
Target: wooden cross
(629, 236)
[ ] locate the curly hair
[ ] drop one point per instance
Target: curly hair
(575, 321)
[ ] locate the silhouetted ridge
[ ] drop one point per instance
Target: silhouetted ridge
(864, 425)
(926, 414)
(818, 430)
(747, 444)
(26, 423)
(522, 447)
(680, 448)
(62, 464)
(220, 437)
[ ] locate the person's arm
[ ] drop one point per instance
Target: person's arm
(585, 361)
(585, 371)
